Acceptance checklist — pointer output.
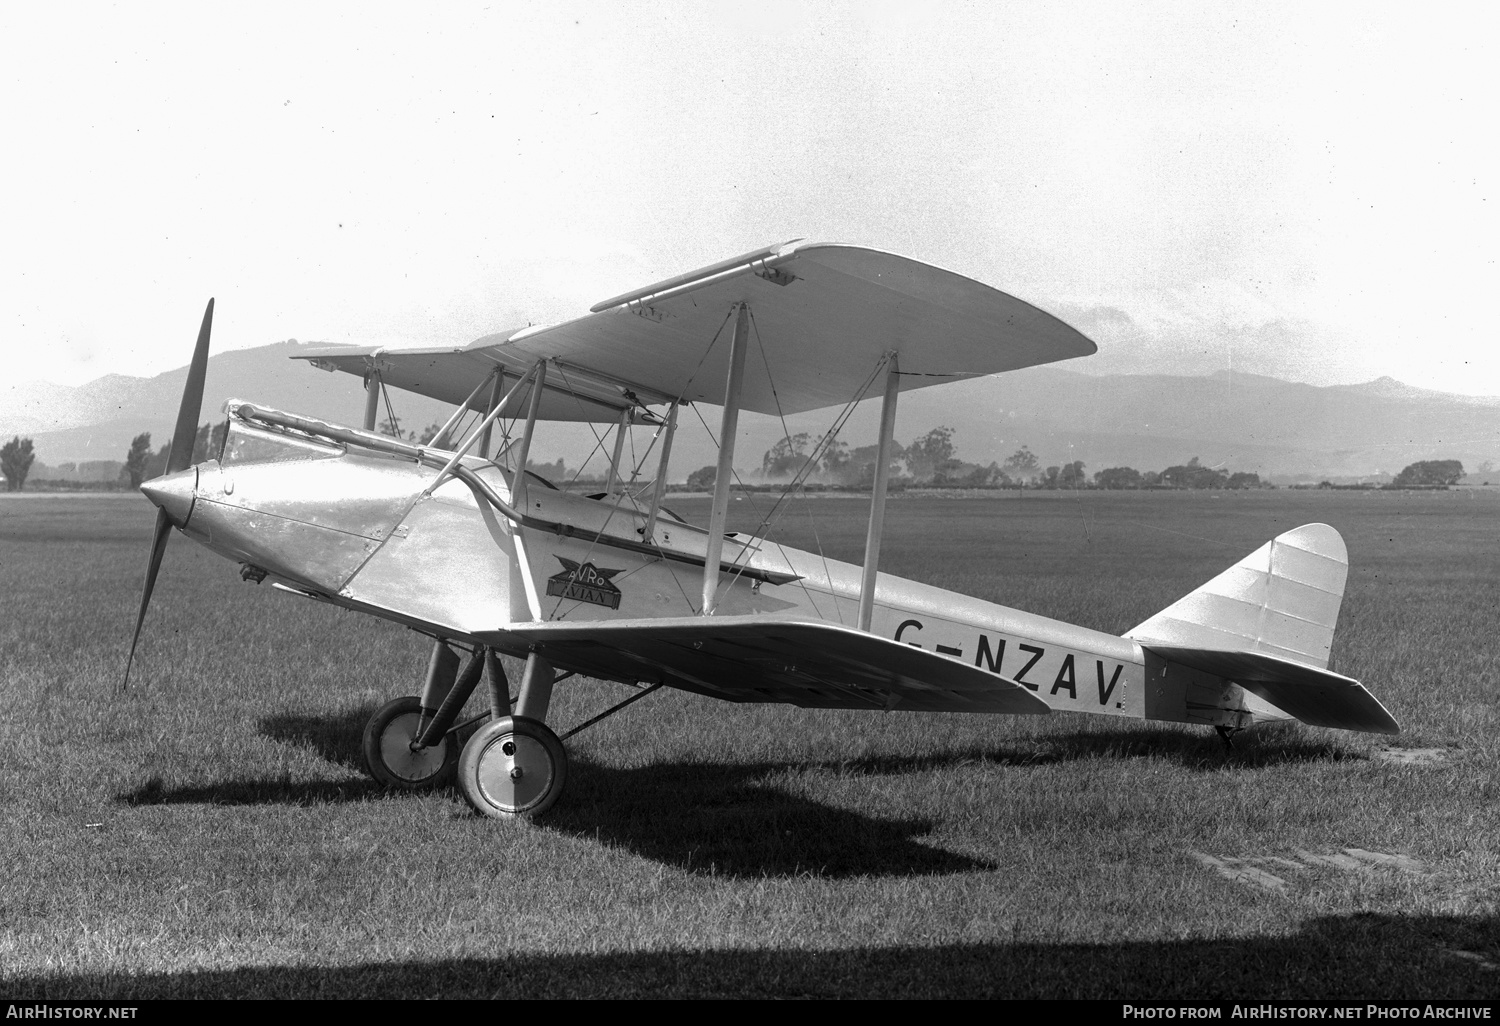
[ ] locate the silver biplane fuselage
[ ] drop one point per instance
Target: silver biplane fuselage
(354, 526)
(489, 560)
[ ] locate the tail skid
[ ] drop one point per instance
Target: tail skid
(1267, 625)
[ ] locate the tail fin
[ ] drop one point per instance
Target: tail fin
(1266, 624)
(1283, 599)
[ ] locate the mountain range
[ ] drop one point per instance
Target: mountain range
(1238, 422)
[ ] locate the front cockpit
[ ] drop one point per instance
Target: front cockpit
(421, 534)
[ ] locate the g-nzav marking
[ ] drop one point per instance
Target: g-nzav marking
(1067, 676)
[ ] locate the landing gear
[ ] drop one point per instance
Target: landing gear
(1226, 735)
(389, 753)
(514, 767)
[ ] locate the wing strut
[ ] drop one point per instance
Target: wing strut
(372, 397)
(441, 440)
(728, 428)
(877, 496)
(521, 502)
(496, 390)
(537, 375)
(661, 473)
(616, 478)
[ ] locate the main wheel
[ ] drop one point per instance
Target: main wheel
(513, 767)
(389, 755)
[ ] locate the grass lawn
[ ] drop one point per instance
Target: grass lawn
(211, 833)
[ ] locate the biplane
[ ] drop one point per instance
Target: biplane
(456, 539)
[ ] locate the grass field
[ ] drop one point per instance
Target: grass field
(211, 833)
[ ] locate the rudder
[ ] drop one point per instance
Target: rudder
(1283, 600)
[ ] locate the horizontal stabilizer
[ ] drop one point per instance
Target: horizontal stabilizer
(1320, 698)
(752, 659)
(1267, 624)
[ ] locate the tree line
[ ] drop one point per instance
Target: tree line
(930, 460)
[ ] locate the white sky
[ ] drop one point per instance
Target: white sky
(1306, 190)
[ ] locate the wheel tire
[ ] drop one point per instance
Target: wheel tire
(388, 754)
(512, 768)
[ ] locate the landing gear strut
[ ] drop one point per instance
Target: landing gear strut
(409, 744)
(1226, 735)
(393, 760)
(513, 767)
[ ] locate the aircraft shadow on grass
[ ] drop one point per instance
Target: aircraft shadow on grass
(336, 738)
(721, 818)
(706, 818)
(1350, 958)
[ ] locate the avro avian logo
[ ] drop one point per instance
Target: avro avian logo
(584, 583)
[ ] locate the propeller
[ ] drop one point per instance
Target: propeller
(179, 458)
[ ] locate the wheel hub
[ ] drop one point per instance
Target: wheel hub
(516, 773)
(401, 758)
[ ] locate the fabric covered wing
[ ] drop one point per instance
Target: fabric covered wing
(752, 659)
(823, 318)
(1317, 697)
(450, 375)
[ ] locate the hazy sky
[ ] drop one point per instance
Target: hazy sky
(1306, 190)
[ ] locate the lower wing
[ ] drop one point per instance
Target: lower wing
(752, 659)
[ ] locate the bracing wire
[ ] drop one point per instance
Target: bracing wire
(828, 438)
(769, 519)
(390, 414)
(799, 479)
(636, 467)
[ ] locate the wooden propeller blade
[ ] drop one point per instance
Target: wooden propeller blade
(181, 456)
(158, 546)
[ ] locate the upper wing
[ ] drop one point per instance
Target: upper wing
(824, 317)
(752, 659)
(451, 374)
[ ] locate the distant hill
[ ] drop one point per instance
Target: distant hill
(97, 420)
(1235, 421)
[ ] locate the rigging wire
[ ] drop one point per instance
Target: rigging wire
(770, 518)
(624, 492)
(635, 471)
(799, 478)
(390, 414)
(747, 550)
